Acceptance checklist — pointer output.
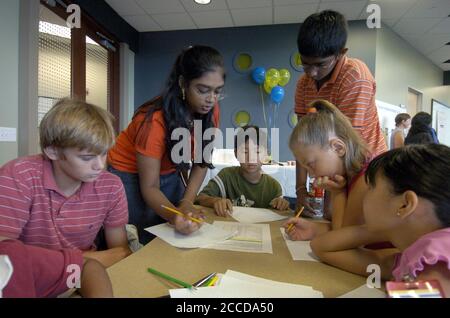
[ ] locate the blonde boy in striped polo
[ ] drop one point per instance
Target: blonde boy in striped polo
(61, 198)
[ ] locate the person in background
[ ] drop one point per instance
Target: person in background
(402, 123)
(421, 131)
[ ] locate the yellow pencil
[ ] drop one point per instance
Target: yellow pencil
(297, 215)
(213, 281)
(182, 214)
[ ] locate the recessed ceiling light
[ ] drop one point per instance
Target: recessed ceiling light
(202, 1)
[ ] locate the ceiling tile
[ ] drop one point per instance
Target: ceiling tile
(390, 22)
(212, 19)
(294, 14)
(254, 16)
(442, 27)
(440, 55)
(415, 26)
(125, 7)
(174, 21)
(391, 9)
(430, 9)
(361, 1)
(191, 6)
(161, 6)
(293, 2)
(427, 44)
(350, 9)
(142, 23)
(240, 4)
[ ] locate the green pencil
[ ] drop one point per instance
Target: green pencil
(170, 278)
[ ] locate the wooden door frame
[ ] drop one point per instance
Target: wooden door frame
(89, 27)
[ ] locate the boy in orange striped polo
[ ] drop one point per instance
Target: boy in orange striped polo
(331, 75)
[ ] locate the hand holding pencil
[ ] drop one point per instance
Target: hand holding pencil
(300, 210)
(185, 223)
(299, 229)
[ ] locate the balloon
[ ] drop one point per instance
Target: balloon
(272, 77)
(285, 76)
(267, 87)
(259, 75)
(277, 94)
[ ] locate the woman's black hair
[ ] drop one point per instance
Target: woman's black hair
(424, 169)
(420, 131)
(191, 63)
(322, 34)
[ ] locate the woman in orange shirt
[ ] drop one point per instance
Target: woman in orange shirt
(145, 156)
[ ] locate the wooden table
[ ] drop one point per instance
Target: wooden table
(130, 277)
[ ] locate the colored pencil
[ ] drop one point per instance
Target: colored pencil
(170, 278)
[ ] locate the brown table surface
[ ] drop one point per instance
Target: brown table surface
(130, 277)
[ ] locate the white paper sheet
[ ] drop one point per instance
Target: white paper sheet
(255, 215)
(264, 281)
(238, 285)
(206, 235)
(300, 250)
(364, 292)
(254, 238)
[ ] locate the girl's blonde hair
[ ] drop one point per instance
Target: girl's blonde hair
(76, 124)
(324, 121)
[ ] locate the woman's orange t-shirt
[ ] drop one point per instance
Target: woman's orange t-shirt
(122, 156)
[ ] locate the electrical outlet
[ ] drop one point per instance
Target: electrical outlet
(8, 134)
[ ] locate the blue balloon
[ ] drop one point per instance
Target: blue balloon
(259, 75)
(277, 94)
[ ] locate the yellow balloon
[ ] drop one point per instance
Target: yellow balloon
(272, 77)
(267, 87)
(285, 76)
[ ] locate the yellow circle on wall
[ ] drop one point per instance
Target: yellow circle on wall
(296, 61)
(241, 118)
(243, 62)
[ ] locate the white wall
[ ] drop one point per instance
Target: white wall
(9, 74)
(126, 85)
(399, 66)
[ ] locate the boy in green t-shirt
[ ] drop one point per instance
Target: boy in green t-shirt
(245, 185)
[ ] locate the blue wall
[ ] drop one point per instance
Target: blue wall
(270, 46)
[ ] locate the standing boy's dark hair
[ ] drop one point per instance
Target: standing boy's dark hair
(322, 34)
(191, 63)
(423, 169)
